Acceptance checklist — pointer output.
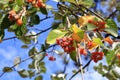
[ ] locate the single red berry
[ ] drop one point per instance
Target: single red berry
(64, 39)
(66, 49)
(89, 21)
(52, 58)
(58, 41)
(46, 54)
(83, 51)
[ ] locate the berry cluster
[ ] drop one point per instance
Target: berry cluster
(100, 25)
(36, 3)
(96, 56)
(15, 17)
(66, 43)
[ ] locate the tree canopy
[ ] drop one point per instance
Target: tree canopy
(79, 30)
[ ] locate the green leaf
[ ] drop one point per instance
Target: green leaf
(98, 41)
(2, 34)
(54, 34)
(55, 25)
(32, 52)
(24, 46)
(44, 11)
(23, 73)
(17, 61)
(90, 27)
(73, 53)
(87, 2)
(40, 56)
(7, 69)
(38, 78)
(118, 6)
(20, 2)
(111, 27)
(31, 65)
(6, 23)
(31, 73)
(110, 55)
(35, 19)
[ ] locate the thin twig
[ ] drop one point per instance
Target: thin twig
(72, 11)
(112, 14)
(24, 60)
(29, 35)
(80, 60)
(80, 70)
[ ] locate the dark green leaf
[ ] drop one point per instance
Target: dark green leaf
(35, 19)
(7, 69)
(32, 52)
(2, 34)
(31, 65)
(31, 73)
(44, 11)
(55, 25)
(24, 46)
(38, 78)
(6, 23)
(23, 73)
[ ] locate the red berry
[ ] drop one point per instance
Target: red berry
(52, 58)
(64, 39)
(46, 54)
(89, 21)
(83, 51)
(58, 41)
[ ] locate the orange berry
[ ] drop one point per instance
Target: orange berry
(19, 22)
(0, 40)
(29, 1)
(118, 56)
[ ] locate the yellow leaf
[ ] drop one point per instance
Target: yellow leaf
(92, 45)
(78, 34)
(76, 37)
(82, 21)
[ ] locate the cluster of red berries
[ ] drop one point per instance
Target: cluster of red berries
(37, 3)
(51, 58)
(15, 17)
(66, 43)
(96, 56)
(100, 25)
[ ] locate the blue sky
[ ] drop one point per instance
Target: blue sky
(12, 48)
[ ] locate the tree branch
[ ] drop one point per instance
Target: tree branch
(80, 69)
(29, 35)
(24, 60)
